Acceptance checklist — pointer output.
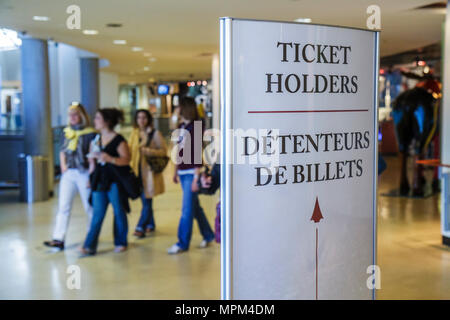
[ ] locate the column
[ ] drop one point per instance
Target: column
(445, 131)
(90, 92)
(215, 77)
(36, 101)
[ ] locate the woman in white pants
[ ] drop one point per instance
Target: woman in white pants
(75, 171)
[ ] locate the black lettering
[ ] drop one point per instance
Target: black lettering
(283, 143)
(359, 169)
(326, 135)
(327, 165)
(270, 82)
(338, 142)
(354, 81)
(320, 51)
(344, 84)
(333, 83)
(333, 54)
(305, 84)
(317, 90)
(317, 166)
(284, 44)
(246, 153)
(258, 176)
(298, 171)
(366, 139)
(305, 58)
(348, 142)
(315, 144)
(279, 175)
(286, 83)
(297, 143)
(345, 53)
(358, 137)
(339, 170)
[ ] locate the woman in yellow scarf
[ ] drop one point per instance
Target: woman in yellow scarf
(74, 171)
(146, 141)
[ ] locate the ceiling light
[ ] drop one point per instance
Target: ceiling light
(90, 32)
(152, 59)
(146, 68)
(9, 40)
(147, 54)
(120, 42)
(41, 18)
(114, 25)
(303, 20)
(135, 49)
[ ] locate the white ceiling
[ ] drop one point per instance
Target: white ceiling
(182, 33)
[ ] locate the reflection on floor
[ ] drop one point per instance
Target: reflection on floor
(413, 262)
(31, 271)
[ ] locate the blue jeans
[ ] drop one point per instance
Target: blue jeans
(146, 221)
(191, 209)
(100, 201)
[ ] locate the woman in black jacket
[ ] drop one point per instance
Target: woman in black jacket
(107, 182)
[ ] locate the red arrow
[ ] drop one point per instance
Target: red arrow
(317, 214)
(316, 217)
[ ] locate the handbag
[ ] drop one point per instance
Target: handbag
(129, 181)
(156, 163)
(214, 173)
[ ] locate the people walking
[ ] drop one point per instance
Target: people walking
(74, 171)
(107, 181)
(187, 173)
(145, 141)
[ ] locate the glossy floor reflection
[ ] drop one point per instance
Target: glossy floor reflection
(31, 271)
(414, 264)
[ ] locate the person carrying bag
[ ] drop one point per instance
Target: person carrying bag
(148, 160)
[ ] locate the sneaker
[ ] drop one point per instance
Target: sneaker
(175, 249)
(55, 244)
(149, 230)
(139, 234)
(204, 244)
(119, 249)
(86, 252)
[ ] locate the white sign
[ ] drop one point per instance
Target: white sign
(299, 141)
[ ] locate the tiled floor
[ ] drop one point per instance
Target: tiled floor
(413, 262)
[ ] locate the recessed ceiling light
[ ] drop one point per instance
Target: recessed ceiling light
(41, 18)
(90, 32)
(136, 49)
(304, 20)
(146, 68)
(120, 42)
(152, 59)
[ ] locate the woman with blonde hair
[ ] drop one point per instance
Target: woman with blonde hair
(74, 171)
(145, 141)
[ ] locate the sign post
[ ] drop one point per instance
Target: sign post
(299, 160)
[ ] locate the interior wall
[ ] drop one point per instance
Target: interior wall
(109, 89)
(10, 65)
